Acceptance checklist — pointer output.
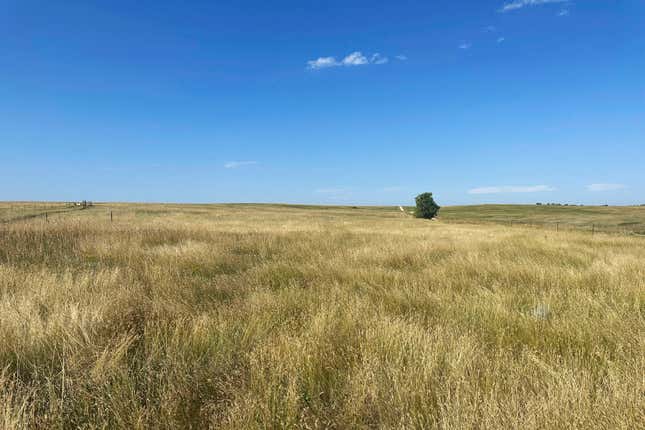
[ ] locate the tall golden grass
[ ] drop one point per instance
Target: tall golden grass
(242, 317)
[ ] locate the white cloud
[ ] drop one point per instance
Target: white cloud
(511, 189)
(519, 4)
(563, 12)
(236, 164)
(355, 59)
(465, 45)
(401, 57)
(605, 187)
(500, 39)
(378, 59)
(322, 63)
(490, 28)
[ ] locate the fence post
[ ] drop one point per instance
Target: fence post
(593, 229)
(557, 226)
(110, 216)
(46, 220)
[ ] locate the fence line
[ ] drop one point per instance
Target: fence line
(558, 226)
(44, 214)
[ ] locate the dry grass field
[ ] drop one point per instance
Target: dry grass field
(608, 219)
(268, 316)
(14, 211)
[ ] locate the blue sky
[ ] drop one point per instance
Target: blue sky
(349, 102)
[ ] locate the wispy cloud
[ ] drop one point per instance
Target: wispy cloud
(605, 187)
(500, 39)
(356, 58)
(465, 45)
(322, 62)
(511, 189)
(401, 57)
(563, 12)
(519, 4)
(236, 164)
(490, 29)
(379, 59)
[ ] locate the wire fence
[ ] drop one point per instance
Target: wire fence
(628, 229)
(16, 213)
(45, 212)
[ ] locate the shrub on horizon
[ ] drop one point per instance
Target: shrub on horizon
(426, 206)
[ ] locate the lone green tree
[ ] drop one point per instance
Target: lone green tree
(426, 206)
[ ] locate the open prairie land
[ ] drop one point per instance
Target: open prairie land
(273, 316)
(15, 211)
(610, 219)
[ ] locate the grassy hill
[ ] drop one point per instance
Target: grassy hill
(273, 316)
(605, 218)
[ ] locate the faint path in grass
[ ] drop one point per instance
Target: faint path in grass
(41, 214)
